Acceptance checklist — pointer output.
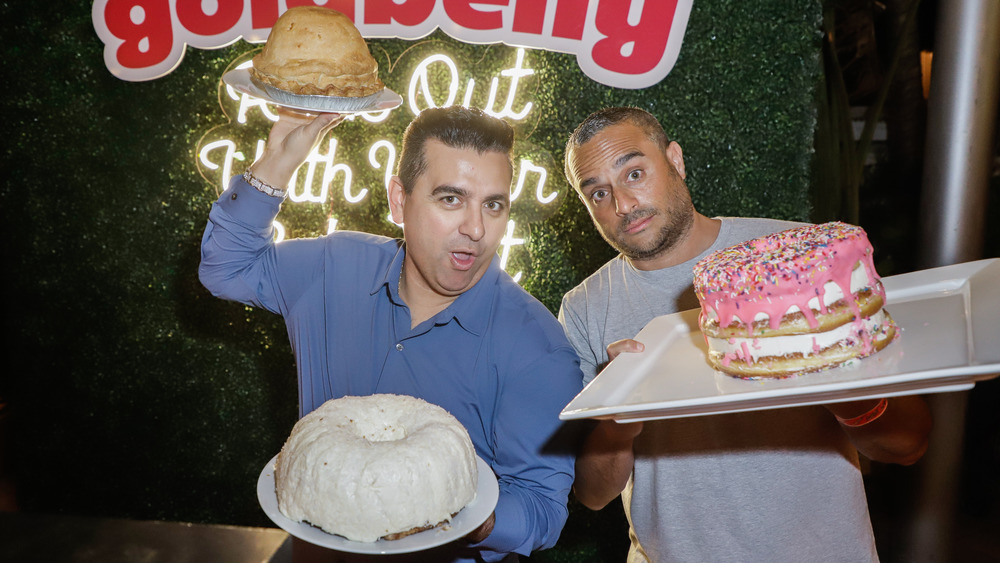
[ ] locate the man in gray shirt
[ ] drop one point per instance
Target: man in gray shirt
(774, 485)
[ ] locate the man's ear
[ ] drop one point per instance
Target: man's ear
(397, 196)
(676, 157)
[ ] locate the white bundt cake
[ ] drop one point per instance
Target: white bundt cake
(380, 466)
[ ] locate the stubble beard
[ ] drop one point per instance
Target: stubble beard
(679, 218)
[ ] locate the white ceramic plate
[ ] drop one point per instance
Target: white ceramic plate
(950, 320)
(239, 79)
(474, 514)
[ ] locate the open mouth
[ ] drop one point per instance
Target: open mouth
(463, 260)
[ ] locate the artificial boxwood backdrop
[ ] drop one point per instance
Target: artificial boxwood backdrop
(131, 392)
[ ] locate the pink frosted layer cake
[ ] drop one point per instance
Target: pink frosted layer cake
(796, 301)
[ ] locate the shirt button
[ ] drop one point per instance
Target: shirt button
(399, 347)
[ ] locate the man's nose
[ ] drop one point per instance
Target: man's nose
(472, 226)
(625, 201)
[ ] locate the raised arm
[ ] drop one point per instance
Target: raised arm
(289, 143)
(238, 257)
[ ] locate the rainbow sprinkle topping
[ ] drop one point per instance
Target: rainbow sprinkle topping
(771, 274)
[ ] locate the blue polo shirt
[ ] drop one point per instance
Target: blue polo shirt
(495, 358)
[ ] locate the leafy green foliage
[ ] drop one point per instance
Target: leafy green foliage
(143, 396)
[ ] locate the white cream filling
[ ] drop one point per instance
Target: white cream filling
(805, 344)
(831, 294)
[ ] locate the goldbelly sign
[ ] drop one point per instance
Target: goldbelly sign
(620, 43)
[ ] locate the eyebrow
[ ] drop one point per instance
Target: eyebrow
(618, 163)
(446, 189)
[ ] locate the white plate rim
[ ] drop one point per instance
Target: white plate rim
(467, 520)
(606, 400)
(239, 80)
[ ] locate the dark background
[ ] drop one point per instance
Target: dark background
(131, 392)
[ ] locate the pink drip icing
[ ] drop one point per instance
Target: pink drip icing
(774, 273)
(867, 338)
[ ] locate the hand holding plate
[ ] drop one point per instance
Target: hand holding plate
(292, 138)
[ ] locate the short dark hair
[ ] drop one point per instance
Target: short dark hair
(457, 127)
(599, 120)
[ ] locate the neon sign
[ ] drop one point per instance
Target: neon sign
(327, 182)
(620, 43)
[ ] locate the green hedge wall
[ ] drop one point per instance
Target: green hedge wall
(132, 392)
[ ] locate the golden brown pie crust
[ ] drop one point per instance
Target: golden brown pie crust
(317, 51)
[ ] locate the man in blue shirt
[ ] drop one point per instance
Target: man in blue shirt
(432, 317)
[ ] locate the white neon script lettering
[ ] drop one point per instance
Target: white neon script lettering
(390, 159)
(420, 88)
(306, 191)
(420, 96)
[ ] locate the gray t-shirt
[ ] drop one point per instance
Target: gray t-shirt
(774, 485)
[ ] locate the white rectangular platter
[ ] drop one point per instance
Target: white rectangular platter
(950, 320)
